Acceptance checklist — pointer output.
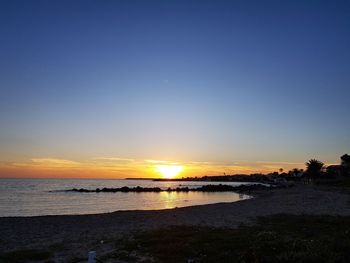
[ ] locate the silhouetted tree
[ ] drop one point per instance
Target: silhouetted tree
(314, 168)
(296, 170)
(345, 160)
(345, 163)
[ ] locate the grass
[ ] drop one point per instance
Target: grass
(33, 255)
(280, 238)
(26, 255)
(343, 183)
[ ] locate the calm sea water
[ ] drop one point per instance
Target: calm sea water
(34, 197)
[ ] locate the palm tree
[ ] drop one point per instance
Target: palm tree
(314, 168)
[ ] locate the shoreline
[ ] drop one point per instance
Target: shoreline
(251, 194)
(85, 232)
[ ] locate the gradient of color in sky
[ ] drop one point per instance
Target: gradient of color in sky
(112, 88)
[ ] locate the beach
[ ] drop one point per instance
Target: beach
(72, 235)
(174, 131)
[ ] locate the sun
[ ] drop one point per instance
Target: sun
(168, 171)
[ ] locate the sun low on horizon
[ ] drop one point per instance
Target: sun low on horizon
(168, 171)
(171, 89)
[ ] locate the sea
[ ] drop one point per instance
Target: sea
(38, 197)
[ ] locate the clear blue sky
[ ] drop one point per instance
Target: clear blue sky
(175, 80)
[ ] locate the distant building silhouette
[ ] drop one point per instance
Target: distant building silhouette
(335, 170)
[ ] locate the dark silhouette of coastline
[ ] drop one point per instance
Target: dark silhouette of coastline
(315, 170)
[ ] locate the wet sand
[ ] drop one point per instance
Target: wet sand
(77, 234)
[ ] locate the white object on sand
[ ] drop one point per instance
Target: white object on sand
(92, 257)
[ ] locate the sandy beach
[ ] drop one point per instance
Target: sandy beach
(77, 234)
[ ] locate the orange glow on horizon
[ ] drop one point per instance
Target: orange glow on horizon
(119, 168)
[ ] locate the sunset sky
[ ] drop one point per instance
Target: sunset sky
(114, 89)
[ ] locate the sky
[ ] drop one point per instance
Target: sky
(111, 89)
